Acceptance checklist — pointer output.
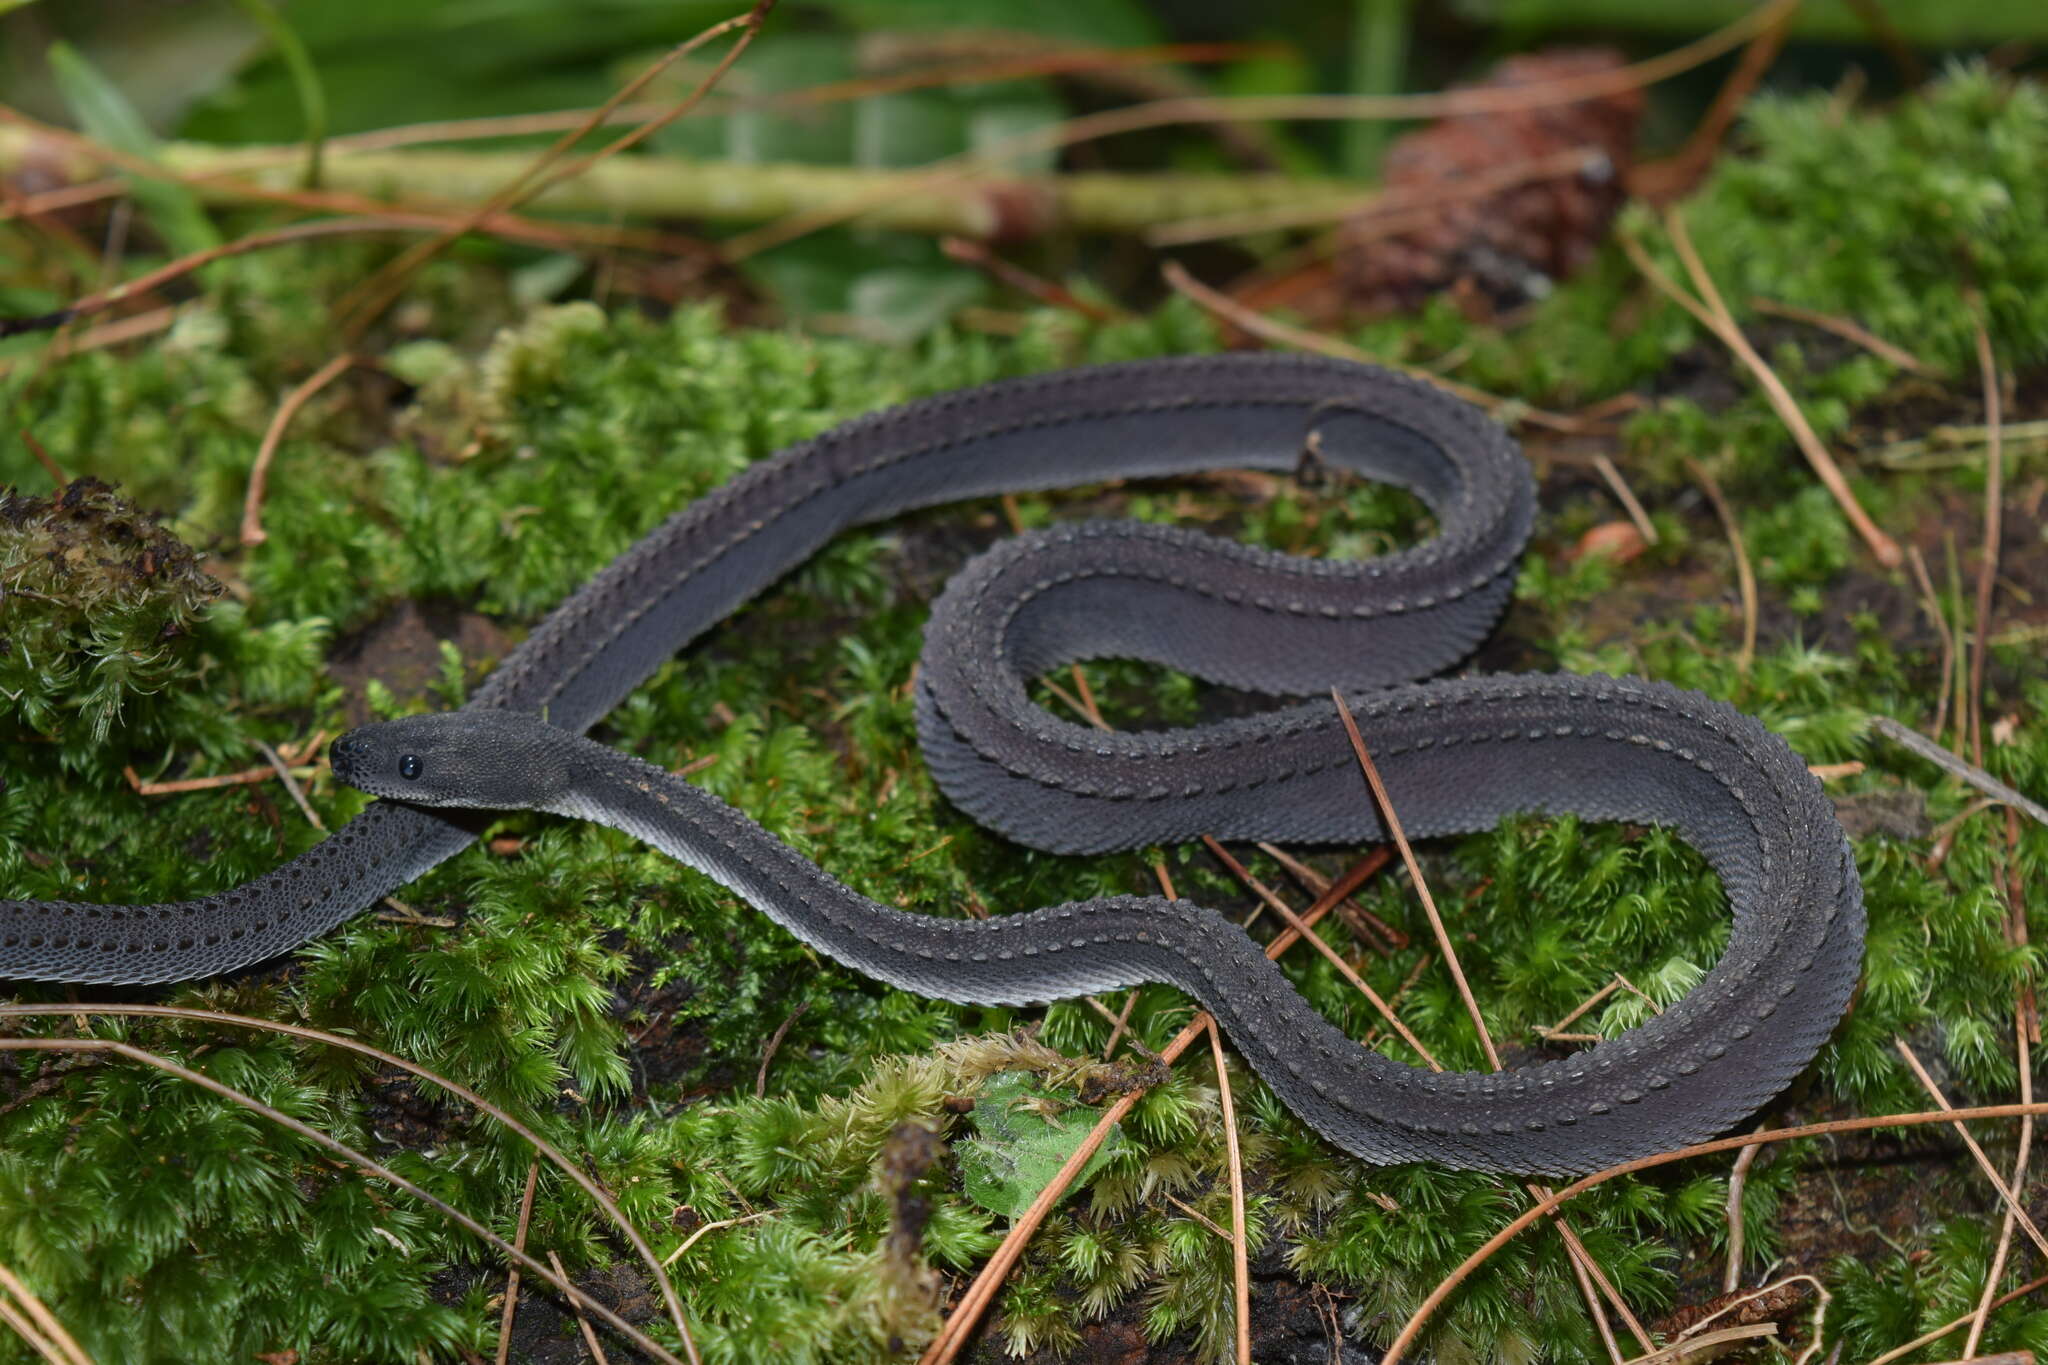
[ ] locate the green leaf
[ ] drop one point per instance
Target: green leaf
(1027, 1134)
(105, 114)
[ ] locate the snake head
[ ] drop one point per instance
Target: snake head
(485, 759)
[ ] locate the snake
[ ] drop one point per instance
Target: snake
(1457, 754)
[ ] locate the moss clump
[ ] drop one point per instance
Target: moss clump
(100, 606)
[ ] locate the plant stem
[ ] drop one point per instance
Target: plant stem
(986, 207)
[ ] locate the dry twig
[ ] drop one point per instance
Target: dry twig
(1987, 563)
(1870, 341)
(1240, 1269)
(2005, 1192)
(1527, 1219)
(1582, 1260)
(1285, 334)
(1906, 737)
(511, 1309)
(1713, 314)
(259, 473)
(1211, 109)
(33, 1321)
(1745, 576)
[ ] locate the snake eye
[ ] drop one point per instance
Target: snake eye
(410, 767)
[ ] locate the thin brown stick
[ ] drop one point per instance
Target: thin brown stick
(1908, 738)
(363, 304)
(1368, 927)
(1575, 1248)
(1930, 602)
(2018, 1183)
(1987, 563)
(64, 1347)
(589, 1337)
(16, 1321)
(245, 777)
(1284, 334)
(42, 457)
(1053, 295)
(511, 1310)
(1675, 176)
(1240, 1265)
(1626, 496)
(1713, 314)
(1528, 1218)
(291, 784)
(1601, 1325)
(974, 1303)
(1436, 921)
(1745, 576)
(354, 1158)
(1929, 1338)
(1120, 1022)
(701, 1232)
(2005, 1193)
(1889, 352)
(1212, 109)
(2022, 1010)
(1738, 1179)
(1582, 1009)
(1335, 958)
(259, 474)
(97, 338)
(198, 260)
(775, 1042)
(1710, 1345)
(547, 1149)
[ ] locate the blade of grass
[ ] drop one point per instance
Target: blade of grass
(105, 114)
(305, 79)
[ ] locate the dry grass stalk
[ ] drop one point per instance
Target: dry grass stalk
(1285, 334)
(1582, 1260)
(2005, 1193)
(511, 1309)
(36, 1325)
(1745, 576)
(1713, 314)
(589, 1337)
(369, 299)
(1530, 1217)
(1987, 563)
(1849, 331)
(1240, 1266)
(259, 473)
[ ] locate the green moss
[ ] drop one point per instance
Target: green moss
(523, 461)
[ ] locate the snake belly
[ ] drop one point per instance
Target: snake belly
(1457, 755)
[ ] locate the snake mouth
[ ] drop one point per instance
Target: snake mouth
(346, 757)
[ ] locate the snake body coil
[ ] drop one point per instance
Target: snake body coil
(1456, 755)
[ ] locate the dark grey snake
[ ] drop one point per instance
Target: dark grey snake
(1457, 755)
